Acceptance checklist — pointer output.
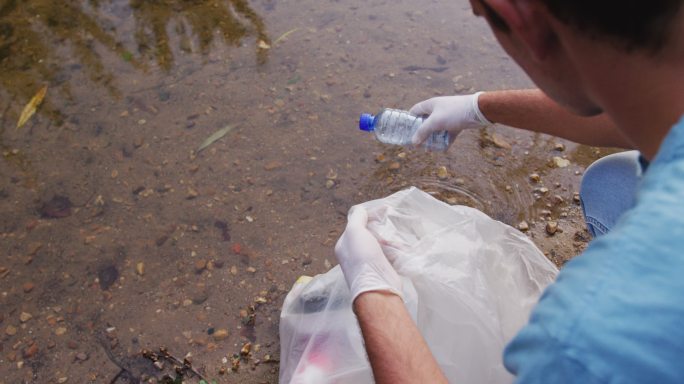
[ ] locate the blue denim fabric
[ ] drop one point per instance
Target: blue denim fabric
(609, 189)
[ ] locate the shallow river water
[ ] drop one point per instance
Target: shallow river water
(118, 234)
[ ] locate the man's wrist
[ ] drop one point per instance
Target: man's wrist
(374, 299)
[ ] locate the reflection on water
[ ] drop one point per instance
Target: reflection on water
(45, 41)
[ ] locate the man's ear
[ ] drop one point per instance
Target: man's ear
(529, 23)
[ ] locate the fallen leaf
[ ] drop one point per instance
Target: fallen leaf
(263, 45)
(213, 138)
(31, 107)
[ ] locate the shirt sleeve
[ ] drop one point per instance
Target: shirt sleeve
(535, 357)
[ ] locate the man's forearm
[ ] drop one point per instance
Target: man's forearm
(396, 349)
(532, 110)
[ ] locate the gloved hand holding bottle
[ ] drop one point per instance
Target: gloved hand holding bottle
(448, 113)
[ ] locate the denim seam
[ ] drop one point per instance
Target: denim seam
(596, 223)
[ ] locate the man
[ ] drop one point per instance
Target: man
(610, 73)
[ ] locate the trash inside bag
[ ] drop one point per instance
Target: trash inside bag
(470, 283)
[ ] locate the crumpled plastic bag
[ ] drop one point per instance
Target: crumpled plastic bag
(470, 283)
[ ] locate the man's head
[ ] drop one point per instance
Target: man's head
(550, 39)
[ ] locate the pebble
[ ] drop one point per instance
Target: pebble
(81, 356)
(30, 351)
(60, 331)
(220, 334)
(192, 193)
(523, 226)
(246, 348)
(62, 380)
(140, 268)
(576, 197)
(535, 178)
(28, 287)
(551, 227)
(233, 270)
(200, 266)
(273, 165)
(560, 162)
(442, 173)
(329, 184)
(394, 166)
(11, 330)
(200, 296)
(499, 142)
(559, 147)
(25, 316)
(251, 269)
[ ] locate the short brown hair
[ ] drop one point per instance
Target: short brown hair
(632, 24)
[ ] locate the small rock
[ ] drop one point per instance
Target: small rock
(11, 330)
(159, 365)
(560, 162)
(192, 193)
(58, 207)
(273, 165)
(107, 275)
(246, 348)
(558, 200)
(394, 166)
(60, 331)
(187, 302)
(71, 344)
(499, 142)
(200, 296)
(200, 266)
(81, 356)
(24, 317)
(576, 197)
(523, 226)
(535, 178)
(140, 268)
(251, 269)
(543, 190)
(551, 227)
(442, 173)
(233, 270)
(329, 184)
(30, 351)
(559, 147)
(220, 334)
(62, 380)
(28, 287)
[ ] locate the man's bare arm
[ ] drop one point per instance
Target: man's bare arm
(396, 349)
(532, 110)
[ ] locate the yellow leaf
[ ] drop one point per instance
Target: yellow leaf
(30, 108)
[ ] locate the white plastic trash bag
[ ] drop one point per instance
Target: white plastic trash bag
(470, 283)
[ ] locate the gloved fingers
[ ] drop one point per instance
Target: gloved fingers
(393, 249)
(424, 131)
(425, 107)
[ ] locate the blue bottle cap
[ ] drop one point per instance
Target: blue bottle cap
(366, 122)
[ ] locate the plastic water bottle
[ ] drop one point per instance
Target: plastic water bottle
(394, 126)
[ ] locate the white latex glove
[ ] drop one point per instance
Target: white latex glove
(363, 263)
(448, 113)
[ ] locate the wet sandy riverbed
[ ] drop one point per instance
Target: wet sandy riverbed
(118, 236)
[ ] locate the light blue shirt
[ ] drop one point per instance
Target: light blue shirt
(616, 312)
